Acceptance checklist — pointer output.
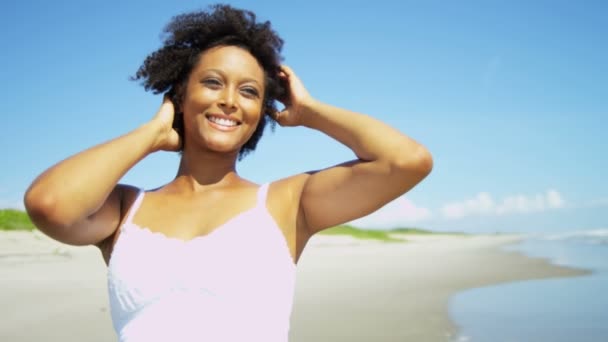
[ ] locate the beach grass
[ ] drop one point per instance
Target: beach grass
(419, 231)
(366, 234)
(12, 219)
(411, 231)
(387, 235)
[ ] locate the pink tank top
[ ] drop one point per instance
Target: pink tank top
(234, 284)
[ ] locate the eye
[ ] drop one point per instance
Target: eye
(251, 92)
(213, 83)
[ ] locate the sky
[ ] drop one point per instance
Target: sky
(510, 98)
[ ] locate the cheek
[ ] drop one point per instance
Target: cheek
(253, 109)
(200, 99)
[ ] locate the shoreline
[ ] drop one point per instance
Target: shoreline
(401, 292)
(347, 289)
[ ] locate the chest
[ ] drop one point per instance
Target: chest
(249, 250)
(187, 218)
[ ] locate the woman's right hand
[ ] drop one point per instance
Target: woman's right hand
(168, 139)
(78, 200)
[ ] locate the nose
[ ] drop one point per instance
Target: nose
(227, 99)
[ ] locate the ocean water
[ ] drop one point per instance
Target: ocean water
(556, 310)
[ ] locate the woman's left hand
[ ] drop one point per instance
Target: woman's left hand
(296, 101)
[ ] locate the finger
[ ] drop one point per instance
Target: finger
(275, 114)
(167, 102)
(286, 69)
(282, 117)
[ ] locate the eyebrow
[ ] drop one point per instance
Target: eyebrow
(245, 79)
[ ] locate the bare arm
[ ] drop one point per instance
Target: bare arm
(78, 200)
(389, 163)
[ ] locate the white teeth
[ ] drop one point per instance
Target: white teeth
(222, 121)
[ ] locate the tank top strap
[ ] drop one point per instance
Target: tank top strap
(135, 206)
(262, 194)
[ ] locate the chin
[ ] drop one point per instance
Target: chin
(225, 145)
(224, 148)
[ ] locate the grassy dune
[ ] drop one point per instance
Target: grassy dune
(373, 234)
(11, 219)
(367, 234)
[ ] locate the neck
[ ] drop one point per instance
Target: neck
(199, 170)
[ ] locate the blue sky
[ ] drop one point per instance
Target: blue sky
(510, 97)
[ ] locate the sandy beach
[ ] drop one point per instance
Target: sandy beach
(347, 289)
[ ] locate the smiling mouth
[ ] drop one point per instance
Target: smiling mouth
(222, 121)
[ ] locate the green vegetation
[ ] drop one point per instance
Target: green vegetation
(368, 234)
(382, 235)
(411, 231)
(11, 219)
(421, 231)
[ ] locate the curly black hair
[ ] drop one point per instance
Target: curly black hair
(187, 36)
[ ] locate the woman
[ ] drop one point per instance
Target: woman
(211, 256)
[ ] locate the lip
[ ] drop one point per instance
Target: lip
(221, 127)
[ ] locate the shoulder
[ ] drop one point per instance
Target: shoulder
(283, 199)
(287, 189)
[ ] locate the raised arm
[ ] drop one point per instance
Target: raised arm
(78, 200)
(389, 163)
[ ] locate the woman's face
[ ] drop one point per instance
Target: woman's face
(223, 101)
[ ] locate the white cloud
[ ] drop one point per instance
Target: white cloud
(484, 204)
(555, 200)
(480, 204)
(398, 213)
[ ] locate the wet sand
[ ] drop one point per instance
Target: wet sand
(347, 289)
